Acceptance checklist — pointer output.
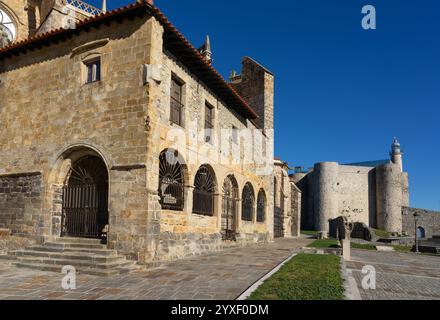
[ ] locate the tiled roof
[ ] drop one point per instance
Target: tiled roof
(174, 41)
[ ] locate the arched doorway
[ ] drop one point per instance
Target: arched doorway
(421, 234)
(85, 199)
(229, 209)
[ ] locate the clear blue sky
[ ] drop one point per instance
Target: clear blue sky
(342, 93)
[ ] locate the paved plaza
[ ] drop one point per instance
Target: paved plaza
(219, 276)
(399, 276)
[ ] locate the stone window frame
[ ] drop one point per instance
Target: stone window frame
(183, 103)
(85, 61)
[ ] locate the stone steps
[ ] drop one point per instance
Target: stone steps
(49, 248)
(88, 256)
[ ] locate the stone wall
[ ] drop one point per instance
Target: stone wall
(21, 203)
(428, 220)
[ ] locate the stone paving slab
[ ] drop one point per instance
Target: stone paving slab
(216, 276)
(399, 276)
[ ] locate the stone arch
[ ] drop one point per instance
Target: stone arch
(60, 177)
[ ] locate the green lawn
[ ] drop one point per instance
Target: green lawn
(321, 244)
(305, 277)
(401, 248)
(309, 232)
(382, 233)
(355, 245)
(324, 244)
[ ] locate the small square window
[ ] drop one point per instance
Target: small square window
(93, 71)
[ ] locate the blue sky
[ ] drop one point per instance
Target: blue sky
(342, 93)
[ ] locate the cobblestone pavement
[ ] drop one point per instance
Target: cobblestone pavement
(399, 276)
(220, 276)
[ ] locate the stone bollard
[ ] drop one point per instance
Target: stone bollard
(346, 249)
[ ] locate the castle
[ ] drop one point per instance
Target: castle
(372, 193)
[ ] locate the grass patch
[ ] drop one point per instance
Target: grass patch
(401, 248)
(382, 233)
(309, 232)
(324, 244)
(355, 245)
(305, 277)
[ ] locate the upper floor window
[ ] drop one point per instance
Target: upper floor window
(93, 70)
(209, 122)
(176, 115)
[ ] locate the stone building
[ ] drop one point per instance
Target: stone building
(372, 193)
(114, 126)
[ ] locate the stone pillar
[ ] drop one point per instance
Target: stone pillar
(326, 197)
(389, 197)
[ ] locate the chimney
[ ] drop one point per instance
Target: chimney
(256, 86)
(104, 6)
(205, 50)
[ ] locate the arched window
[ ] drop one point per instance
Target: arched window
(261, 206)
(275, 191)
(8, 31)
(171, 181)
(203, 195)
(247, 206)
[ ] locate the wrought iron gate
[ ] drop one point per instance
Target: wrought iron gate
(229, 218)
(229, 209)
(278, 223)
(84, 211)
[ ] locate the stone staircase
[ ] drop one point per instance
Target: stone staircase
(88, 256)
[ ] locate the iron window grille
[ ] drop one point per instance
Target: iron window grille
(203, 194)
(171, 182)
(261, 206)
(247, 203)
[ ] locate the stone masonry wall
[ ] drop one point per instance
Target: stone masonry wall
(429, 220)
(21, 203)
(48, 114)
